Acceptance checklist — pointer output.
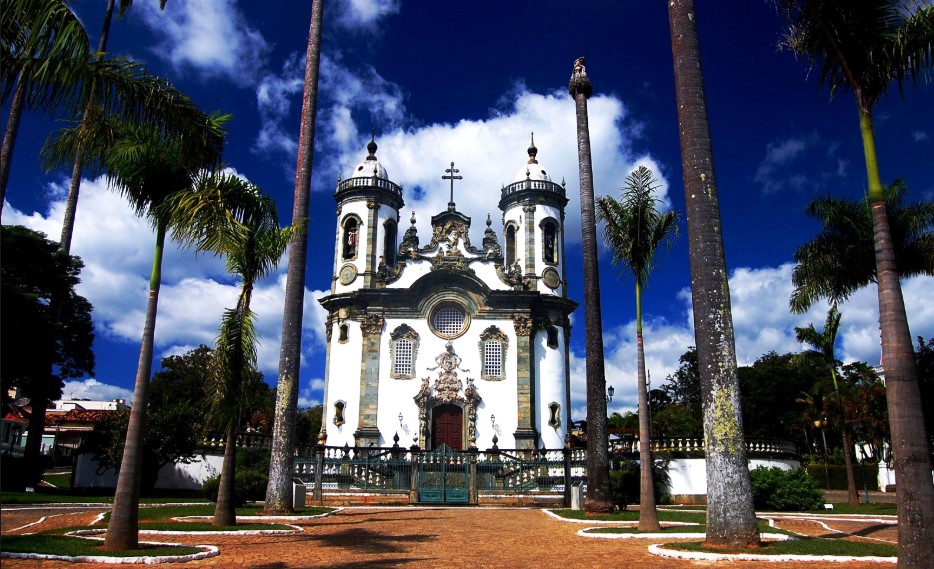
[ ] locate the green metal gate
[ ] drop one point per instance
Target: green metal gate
(443, 476)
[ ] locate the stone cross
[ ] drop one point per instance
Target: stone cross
(452, 171)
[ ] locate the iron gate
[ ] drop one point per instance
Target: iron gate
(443, 476)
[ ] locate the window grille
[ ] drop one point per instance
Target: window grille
(492, 358)
(403, 358)
(449, 321)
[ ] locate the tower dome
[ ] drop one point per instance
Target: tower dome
(370, 166)
(532, 170)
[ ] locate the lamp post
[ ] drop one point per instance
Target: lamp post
(609, 393)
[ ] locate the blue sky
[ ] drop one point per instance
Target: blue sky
(468, 82)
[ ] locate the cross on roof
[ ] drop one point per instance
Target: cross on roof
(452, 171)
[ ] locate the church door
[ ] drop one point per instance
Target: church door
(447, 427)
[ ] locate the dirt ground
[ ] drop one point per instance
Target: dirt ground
(425, 537)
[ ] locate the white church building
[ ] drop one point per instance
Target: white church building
(434, 340)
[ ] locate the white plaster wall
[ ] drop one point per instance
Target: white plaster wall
(344, 384)
(543, 212)
(689, 475)
(414, 270)
(171, 476)
(549, 386)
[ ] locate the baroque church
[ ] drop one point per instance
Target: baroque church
(444, 342)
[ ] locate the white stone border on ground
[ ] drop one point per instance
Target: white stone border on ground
(608, 522)
(644, 535)
(660, 550)
(208, 551)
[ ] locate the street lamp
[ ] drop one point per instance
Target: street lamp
(609, 393)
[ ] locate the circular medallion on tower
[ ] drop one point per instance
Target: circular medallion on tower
(348, 274)
(551, 278)
(449, 320)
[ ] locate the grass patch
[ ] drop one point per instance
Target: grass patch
(864, 509)
(206, 526)
(813, 546)
(50, 544)
(45, 495)
(155, 513)
(700, 529)
(62, 481)
(633, 516)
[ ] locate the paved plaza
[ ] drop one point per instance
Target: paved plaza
(428, 537)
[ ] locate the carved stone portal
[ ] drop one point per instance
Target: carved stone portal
(447, 388)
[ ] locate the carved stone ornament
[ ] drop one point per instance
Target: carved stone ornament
(512, 275)
(523, 324)
(409, 247)
(447, 388)
(328, 326)
(551, 278)
(491, 248)
(493, 334)
(454, 260)
(387, 275)
(372, 324)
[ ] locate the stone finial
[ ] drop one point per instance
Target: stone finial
(533, 152)
(371, 147)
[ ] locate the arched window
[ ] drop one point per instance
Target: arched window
(389, 242)
(552, 337)
(549, 241)
(339, 413)
(510, 245)
(493, 344)
(351, 238)
(343, 333)
(403, 350)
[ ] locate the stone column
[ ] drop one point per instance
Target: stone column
(525, 434)
(367, 432)
(530, 258)
(369, 272)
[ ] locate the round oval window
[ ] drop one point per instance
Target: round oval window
(449, 321)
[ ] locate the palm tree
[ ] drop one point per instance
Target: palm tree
(841, 258)
(252, 252)
(47, 65)
(731, 518)
(598, 476)
(863, 47)
(147, 168)
(822, 346)
(634, 229)
(279, 490)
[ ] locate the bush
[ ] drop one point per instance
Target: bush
(784, 490)
(250, 481)
(14, 473)
(625, 482)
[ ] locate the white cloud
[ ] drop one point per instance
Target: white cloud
(762, 323)
(210, 36)
(919, 135)
(365, 14)
(273, 96)
(95, 390)
(797, 163)
(195, 289)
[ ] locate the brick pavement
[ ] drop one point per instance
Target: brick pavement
(420, 537)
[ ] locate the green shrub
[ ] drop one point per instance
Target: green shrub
(784, 490)
(249, 486)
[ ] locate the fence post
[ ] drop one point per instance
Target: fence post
(567, 476)
(319, 473)
(413, 488)
(473, 494)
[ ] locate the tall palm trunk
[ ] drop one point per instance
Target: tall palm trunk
(852, 493)
(123, 529)
(598, 475)
(17, 104)
(71, 203)
(915, 489)
(224, 512)
(648, 516)
(279, 490)
(731, 518)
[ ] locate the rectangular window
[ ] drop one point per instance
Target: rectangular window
(493, 359)
(403, 366)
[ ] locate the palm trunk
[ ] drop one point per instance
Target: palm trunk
(598, 473)
(123, 529)
(648, 516)
(731, 519)
(17, 104)
(71, 202)
(224, 512)
(915, 489)
(279, 490)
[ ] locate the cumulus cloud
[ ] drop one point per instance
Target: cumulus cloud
(919, 135)
(762, 323)
(195, 289)
(95, 390)
(211, 37)
(365, 14)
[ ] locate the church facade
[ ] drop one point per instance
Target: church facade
(437, 341)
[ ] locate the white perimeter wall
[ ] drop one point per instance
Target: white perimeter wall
(172, 476)
(689, 475)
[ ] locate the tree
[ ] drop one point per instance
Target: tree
(865, 406)
(925, 359)
(841, 258)
(252, 252)
(47, 65)
(147, 168)
(823, 344)
(307, 427)
(863, 47)
(598, 462)
(683, 416)
(731, 519)
(633, 230)
(279, 490)
(34, 342)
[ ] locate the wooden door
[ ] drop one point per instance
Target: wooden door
(447, 427)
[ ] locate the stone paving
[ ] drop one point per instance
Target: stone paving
(422, 537)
